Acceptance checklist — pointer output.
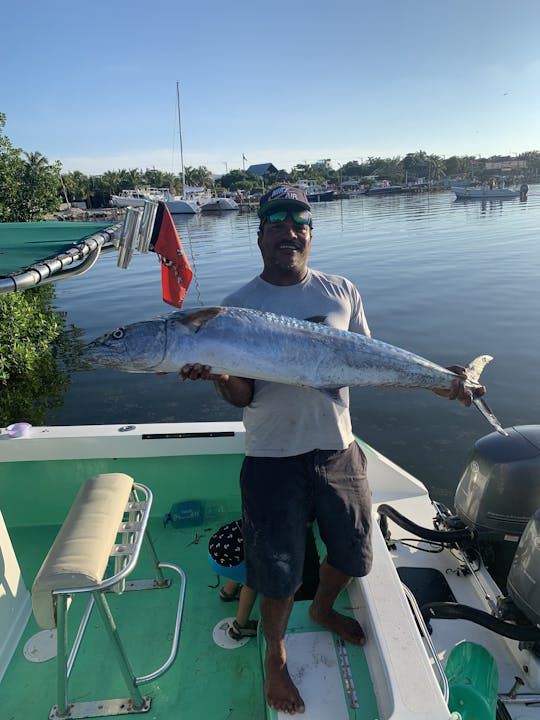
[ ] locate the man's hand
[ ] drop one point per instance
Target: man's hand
(457, 390)
(200, 372)
(235, 390)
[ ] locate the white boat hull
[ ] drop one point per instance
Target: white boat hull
(124, 202)
(175, 204)
(484, 193)
(219, 204)
(183, 207)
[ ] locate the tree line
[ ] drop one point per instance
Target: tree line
(31, 186)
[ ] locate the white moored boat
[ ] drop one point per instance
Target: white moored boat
(219, 204)
(178, 205)
(136, 197)
(488, 193)
(175, 203)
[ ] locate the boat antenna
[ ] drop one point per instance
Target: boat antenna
(180, 131)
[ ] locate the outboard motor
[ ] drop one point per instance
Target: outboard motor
(499, 491)
(497, 503)
(524, 578)
(518, 615)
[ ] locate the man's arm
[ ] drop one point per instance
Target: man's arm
(234, 390)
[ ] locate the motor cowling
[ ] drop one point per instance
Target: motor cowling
(499, 490)
(523, 582)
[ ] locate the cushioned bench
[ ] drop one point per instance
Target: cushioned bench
(80, 553)
(107, 519)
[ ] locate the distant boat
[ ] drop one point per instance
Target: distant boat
(137, 197)
(317, 193)
(321, 196)
(384, 188)
(486, 193)
(178, 205)
(218, 204)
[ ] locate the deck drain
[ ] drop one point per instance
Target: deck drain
(221, 637)
(41, 646)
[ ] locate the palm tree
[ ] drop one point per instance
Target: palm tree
(198, 176)
(35, 161)
(42, 182)
(437, 167)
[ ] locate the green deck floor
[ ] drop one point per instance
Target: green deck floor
(205, 683)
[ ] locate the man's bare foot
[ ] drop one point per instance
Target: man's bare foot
(281, 693)
(343, 625)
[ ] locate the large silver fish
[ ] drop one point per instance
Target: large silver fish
(264, 346)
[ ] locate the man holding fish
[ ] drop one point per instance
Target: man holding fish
(302, 462)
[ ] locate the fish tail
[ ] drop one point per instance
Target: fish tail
(476, 367)
(486, 411)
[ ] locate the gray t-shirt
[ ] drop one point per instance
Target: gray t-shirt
(285, 420)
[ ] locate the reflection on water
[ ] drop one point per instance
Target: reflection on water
(38, 352)
(448, 280)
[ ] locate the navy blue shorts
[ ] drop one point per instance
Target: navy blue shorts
(280, 496)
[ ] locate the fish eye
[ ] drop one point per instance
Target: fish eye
(118, 334)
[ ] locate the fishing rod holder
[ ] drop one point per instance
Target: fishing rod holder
(136, 232)
(129, 237)
(146, 227)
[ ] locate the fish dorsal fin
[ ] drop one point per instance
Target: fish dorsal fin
(475, 367)
(321, 319)
(199, 318)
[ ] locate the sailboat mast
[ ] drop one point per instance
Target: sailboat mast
(180, 131)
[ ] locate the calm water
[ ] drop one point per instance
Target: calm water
(447, 279)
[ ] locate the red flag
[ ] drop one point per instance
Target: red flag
(176, 272)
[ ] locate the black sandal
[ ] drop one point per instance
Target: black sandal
(226, 597)
(237, 632)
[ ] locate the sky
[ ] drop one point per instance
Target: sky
(94, 84)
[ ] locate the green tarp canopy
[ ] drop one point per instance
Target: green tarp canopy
(25, 244)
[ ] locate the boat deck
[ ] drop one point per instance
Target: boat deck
(205, 681)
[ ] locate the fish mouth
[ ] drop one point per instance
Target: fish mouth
(92, 354)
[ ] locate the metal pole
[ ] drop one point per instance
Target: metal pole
(61, 660)
(127, 672)
(160, 578)
(180, 131)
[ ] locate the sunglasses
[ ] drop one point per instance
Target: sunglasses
(302, 217)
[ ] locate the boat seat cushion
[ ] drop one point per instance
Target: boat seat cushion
(80, 553)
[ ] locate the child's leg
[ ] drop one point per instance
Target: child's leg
(229, 591)
(245, 605)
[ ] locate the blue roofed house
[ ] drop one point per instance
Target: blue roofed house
(261, 169)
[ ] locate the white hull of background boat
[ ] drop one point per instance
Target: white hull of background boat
(134, 198)
(137, 198)
(183, 207)
(484, 193)
(219, 204)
